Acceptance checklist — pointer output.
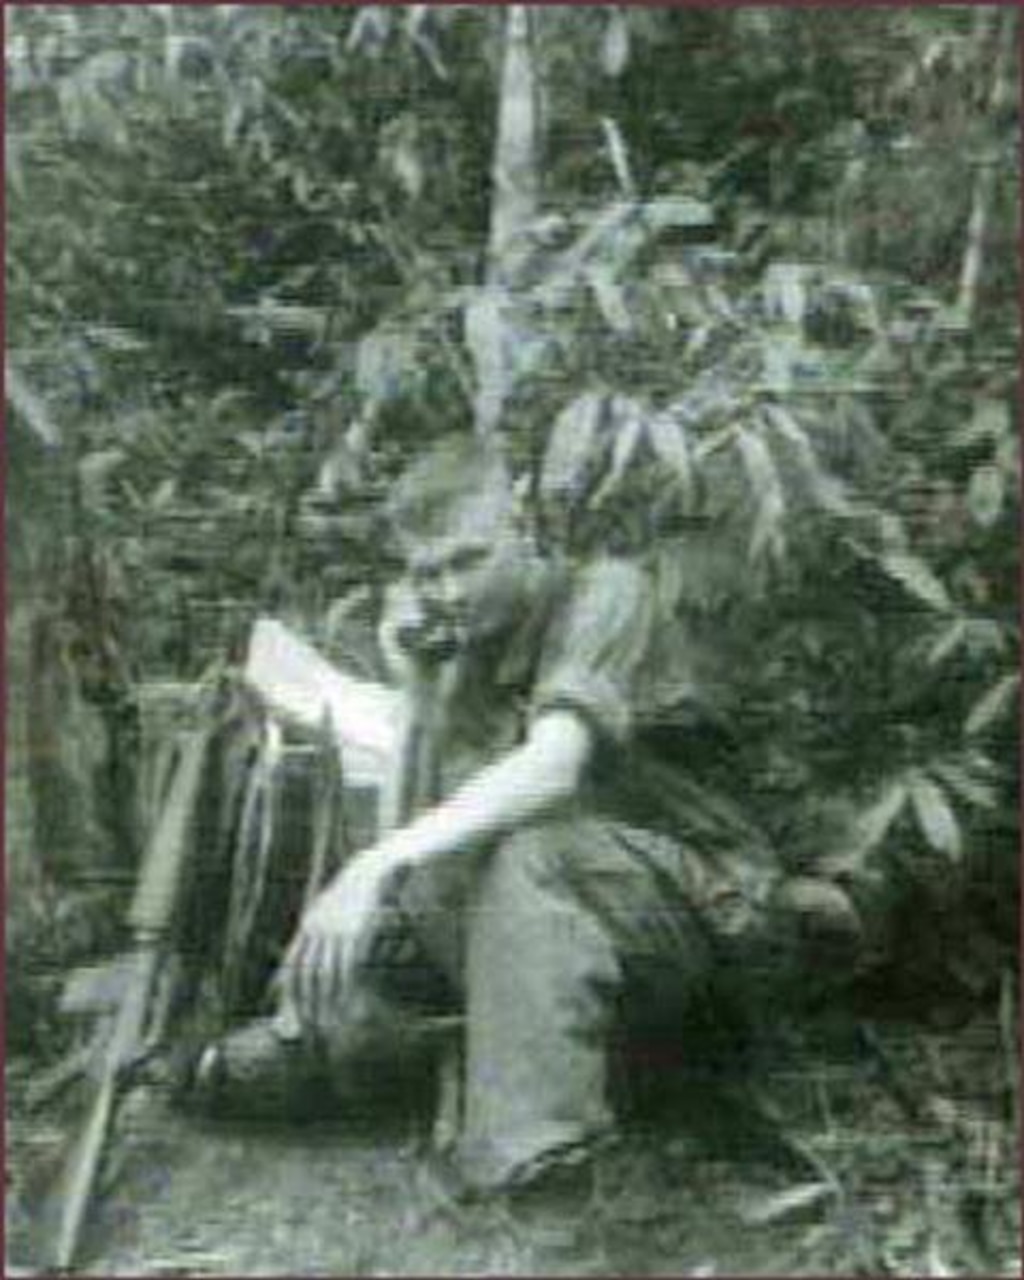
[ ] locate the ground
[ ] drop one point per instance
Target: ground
(845, 1147)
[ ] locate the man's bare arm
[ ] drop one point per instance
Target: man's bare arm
(523, 785)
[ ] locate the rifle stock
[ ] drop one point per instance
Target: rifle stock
(84, 1163)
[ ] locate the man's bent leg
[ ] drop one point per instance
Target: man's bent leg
(567, 915)
(385, 1029)
(267, 1069)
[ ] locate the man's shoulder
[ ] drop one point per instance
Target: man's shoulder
(601, 591)
(617, 579)
(594, 643)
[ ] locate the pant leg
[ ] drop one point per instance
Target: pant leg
(398, 1005)
(570, 917)
(546, 941)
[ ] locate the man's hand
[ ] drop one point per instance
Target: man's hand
(417, 645)
(335, 936)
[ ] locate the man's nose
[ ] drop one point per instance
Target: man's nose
(451, 592)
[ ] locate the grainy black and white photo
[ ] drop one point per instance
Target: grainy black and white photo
(512, 547)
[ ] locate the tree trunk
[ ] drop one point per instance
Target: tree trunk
(987, 164)
(515, 182)
(515, 190)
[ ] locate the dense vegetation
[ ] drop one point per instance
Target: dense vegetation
(760, 327)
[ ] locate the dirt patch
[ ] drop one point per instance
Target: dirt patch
(888, 1152)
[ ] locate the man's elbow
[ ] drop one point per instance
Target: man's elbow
(561, 744)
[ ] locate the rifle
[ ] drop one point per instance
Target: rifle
(135, 1029)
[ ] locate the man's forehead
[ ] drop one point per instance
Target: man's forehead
(472, 524)
(470, 516)
(439, 549)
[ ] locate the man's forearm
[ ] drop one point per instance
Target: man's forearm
(522, 786)
(409, 782)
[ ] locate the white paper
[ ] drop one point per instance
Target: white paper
(299, 684)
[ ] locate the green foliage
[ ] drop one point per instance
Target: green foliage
(48, 933)
(245, 252)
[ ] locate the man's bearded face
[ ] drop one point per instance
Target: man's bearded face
(465, 570)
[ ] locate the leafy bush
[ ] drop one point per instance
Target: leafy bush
(760, 331)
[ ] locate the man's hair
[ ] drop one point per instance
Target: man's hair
(453, 471)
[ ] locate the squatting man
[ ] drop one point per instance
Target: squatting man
(569, 875)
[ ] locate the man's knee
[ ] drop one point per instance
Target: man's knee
(530, 912)
(543, 852)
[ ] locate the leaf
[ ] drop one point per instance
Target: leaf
(619, 156)
(234, 119)
(14, 168)
(1008, 458)
(102, 121)
(766, 489)
(400, 152)
(827, 490)
(985, 636)
(574, 442)
(301, 186)
(606, 230)
(985, 495)
(948, 641)
(115, 338)
(95, 467)
(671, 446)
(187, 57)
(30, 407)
(784, 1204)
(781, 355)
(670, 570)
(382, 359)
(697, 341)
(163, 495)
(408, 170)
(935, 816)
(629, 431)
(785, 291)
(370, 29)
(873, 825)
(109, 69)
(417, 29)
(892, 532)
(615, 45)
(610, 298)
(989, 421)
(911, 572)
(991, 705)
(969, 788)
(677, 211)
(614, 234)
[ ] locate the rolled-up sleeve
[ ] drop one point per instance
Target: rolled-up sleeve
(596, 648)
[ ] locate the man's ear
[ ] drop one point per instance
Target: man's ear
(520, 518)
